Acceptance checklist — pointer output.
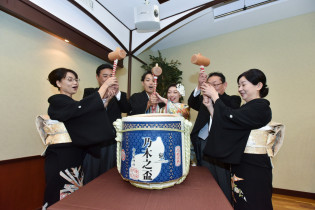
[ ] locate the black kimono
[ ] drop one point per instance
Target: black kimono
(227, 141)
(63, 161)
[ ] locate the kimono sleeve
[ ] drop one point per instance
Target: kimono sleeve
(253, 115)
(195, 102)
(63, 108)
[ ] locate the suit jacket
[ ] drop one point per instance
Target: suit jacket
(115, 107)
(204, 115)
(138, 103)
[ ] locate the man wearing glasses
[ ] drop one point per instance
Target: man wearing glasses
(200, 131)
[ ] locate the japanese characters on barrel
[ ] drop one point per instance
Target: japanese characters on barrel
(153, 150)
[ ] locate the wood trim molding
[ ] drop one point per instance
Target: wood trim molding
(162, 1)
(293, 193)
(99, 23)
(31, 13)
(129, 65)
(112, 14)
(138, 59)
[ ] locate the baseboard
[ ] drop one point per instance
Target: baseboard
(22, 183)
(294, 193)
(37, 164)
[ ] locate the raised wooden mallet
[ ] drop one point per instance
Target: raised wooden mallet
(201, 61)
(156, 71)
(116, 55)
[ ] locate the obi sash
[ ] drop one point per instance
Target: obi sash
(51, 131)
(176, 108)
(266, 140)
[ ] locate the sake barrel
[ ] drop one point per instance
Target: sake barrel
(153, 150)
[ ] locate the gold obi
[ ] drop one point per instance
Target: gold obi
(51, 131)
(266, 140)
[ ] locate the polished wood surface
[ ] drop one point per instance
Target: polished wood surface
(110, 191)
(285, 202)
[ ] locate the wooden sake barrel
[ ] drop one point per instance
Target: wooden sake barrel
(153, 150)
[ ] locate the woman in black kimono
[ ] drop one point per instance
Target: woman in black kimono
(85, 121)
(229, 133)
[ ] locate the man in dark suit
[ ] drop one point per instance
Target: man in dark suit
(140, 102)
(117, 104)
(200, 131)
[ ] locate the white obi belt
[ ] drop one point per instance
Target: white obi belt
(266, 140)
(51, 131)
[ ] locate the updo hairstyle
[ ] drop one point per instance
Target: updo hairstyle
(58, 74)
(255, 76)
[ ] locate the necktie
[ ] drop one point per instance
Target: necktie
(204, 132)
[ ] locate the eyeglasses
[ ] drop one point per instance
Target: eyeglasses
(214, 85)
(70, 79)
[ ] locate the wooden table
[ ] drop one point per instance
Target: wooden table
(110, 191)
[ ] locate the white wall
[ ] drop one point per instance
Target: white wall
(285, 51)
(27, 55)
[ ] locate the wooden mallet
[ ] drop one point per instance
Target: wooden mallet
(156, 71)
(116, 55)
(201, 61)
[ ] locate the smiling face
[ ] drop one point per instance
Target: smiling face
(247, 90)
(148, 84)
(68, 85)
(173, 94)
(103, 76)
(216, 82)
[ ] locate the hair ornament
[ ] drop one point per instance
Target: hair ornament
(181, 89)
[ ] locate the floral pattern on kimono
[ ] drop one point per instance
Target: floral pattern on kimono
(176, 108)
(75, 178)
(235, 189)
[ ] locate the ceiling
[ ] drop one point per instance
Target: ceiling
(111, 23)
